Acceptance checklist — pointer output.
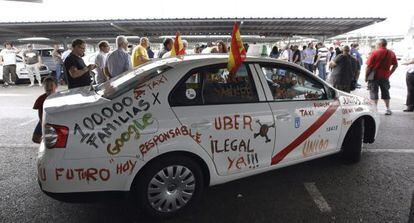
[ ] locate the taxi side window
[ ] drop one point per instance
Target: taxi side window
(215, 85)
(188, 92)
(289, 85)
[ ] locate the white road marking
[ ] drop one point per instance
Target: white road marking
(28, 122)
(317, 197)
(389, 150)
(29, 146)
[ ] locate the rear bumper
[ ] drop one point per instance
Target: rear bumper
(59, 175)
(86, 197)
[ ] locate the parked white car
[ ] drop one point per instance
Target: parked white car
(169, 128)
(21, 70)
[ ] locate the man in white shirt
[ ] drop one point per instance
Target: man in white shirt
(33, 61)
(308, 57)
(100, 75)
(285, 54)
(321, 60)
(119, 60)
(8, 61)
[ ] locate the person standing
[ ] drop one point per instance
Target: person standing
(8, 60)
(79, 74)
(321, 60)
(338, 48)
(355, 53)
(221, 46)
(344, 70)
(296, 57)
(198, 48)
(185, 45)
(57, 59)
(284, 55)
(380, 61)
(291, 53)
(65, 54)
(32, 60)
(274, 53)
(308, 55)
(166, 47)
(139, 54)
(100, 60)
(302, 54)
(119, 60)
(410, 86)
(332, 54)
(150, 52)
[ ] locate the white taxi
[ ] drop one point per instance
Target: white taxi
(169, 128)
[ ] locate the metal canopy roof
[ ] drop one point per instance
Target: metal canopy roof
(263, 27)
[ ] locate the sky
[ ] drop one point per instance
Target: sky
(397, 12)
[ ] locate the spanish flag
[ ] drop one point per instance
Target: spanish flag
(178, 47)
(237, 53)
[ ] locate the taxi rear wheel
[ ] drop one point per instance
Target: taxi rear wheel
(352, 144)
(169, 186)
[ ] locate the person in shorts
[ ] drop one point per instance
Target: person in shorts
(384, 62)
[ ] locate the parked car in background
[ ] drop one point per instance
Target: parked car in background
(171, 127)
(22, 74)
(46, 54)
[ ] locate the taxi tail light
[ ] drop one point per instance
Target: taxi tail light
(55, 136)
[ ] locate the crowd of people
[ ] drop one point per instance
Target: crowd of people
(72, 70)
(339, 65)
(315, 58)
(111, 64)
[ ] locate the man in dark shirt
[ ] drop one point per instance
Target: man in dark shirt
(79, 73)
(344, 70)
(296, 55)
(167, 46)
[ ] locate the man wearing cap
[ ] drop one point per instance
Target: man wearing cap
(32, 60)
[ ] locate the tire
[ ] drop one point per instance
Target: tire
(352, 144)
(167, 200)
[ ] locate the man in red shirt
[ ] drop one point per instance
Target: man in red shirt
(381, 60)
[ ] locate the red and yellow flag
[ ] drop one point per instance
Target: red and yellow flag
(178, 47)
(237, 53)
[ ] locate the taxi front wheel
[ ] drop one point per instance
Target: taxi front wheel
(352, 144)
(169, 186)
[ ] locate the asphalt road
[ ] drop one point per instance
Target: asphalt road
(380, 188)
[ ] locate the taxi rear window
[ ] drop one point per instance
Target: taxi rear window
(130, 79)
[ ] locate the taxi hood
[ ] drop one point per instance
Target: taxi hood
(73, 98)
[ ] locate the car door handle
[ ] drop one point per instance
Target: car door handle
(201, 125)
(283, 117)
